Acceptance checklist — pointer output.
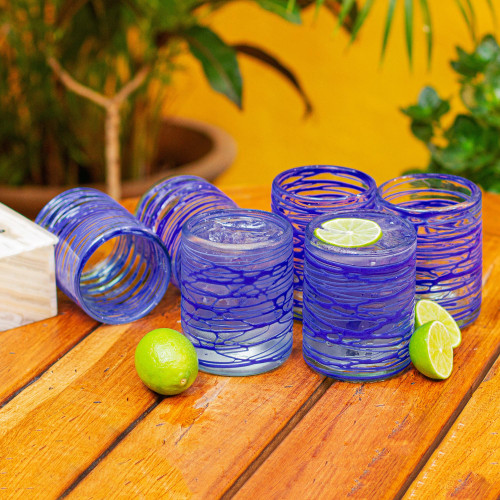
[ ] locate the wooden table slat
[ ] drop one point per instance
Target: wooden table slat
(466, 464)
(28, 350)
(205, 439)
(55, 428)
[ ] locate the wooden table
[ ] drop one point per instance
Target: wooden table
(76, 421)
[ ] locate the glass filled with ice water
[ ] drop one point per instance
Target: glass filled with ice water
(237, 290)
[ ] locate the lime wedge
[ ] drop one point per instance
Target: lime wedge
(427, 310)
(349, 233)
(430, 350)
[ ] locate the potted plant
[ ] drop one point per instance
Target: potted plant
(82, 84)
(469, 145)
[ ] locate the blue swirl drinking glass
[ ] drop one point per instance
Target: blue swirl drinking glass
(237, 290)
(446, 213)
(359, 302)
(302, 193)
(170, 203)
(107, 262)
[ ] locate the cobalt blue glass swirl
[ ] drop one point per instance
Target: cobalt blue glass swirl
(446, 213)
(107, 262)
(302, 193)
(170, 203)
(237, 290)
(359, 302)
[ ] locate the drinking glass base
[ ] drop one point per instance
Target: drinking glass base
(240, 371)
(351, 376)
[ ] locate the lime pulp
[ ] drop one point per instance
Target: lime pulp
(349, 232)
(427, 310)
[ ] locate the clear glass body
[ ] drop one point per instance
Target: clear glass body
(106, 261)
(170, 203)
(302, 193)
(236, 290)
(359, 302)
(446, 213)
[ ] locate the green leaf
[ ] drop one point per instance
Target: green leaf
(488, 49)
(467, 19)
(268, 59)
(409, 30)
(347, 5)
(422, 130)
(430, 107)
(218, 61)
(319, 4)
(388, 24)
(426, 15)
(492, 12)
(472, 147)
(467, 64)
(472, 14)
(283, 8)
(428, 98)
(360, 18)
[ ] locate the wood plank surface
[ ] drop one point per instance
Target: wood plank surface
(195, 446)
(491, 214)
(367, 441)
(28, 350)
(466, 464)
(56, 427)
(87, 427)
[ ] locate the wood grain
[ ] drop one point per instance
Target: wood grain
(491, 214)
(88, 427)
(367, 440)
(195, 446)
(467, 462)
(27, 351)
(56, 427)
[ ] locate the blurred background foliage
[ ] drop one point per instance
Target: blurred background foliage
(470, 144)
(50, 135)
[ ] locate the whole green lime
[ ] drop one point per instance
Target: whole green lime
(166, 361)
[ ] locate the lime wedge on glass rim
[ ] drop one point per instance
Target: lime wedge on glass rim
(427, 310)
(349, 232)
(430, 350)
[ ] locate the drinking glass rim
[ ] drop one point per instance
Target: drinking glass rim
(363, 213)
(475, 194)
(287, 228)
(370, 182)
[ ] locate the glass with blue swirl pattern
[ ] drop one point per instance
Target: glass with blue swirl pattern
(170, 203)
(302, 193)
(359, 302)
(111, 265)
(237, 290)
(446, 213)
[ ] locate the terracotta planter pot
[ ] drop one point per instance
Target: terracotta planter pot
(192, 148)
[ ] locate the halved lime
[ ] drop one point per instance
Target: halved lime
(427, 310)
(430, 350)
(349, 232)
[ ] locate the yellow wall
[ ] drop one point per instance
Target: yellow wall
(356, 122)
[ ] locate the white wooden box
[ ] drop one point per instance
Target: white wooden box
(27, 271)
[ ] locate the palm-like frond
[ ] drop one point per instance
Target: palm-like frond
(468, 17)
(409, 29)
(360, 18)
(426, 15)
(466, 8)
(388, 24)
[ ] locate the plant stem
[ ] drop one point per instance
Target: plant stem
(112, 150)
(112, 124)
